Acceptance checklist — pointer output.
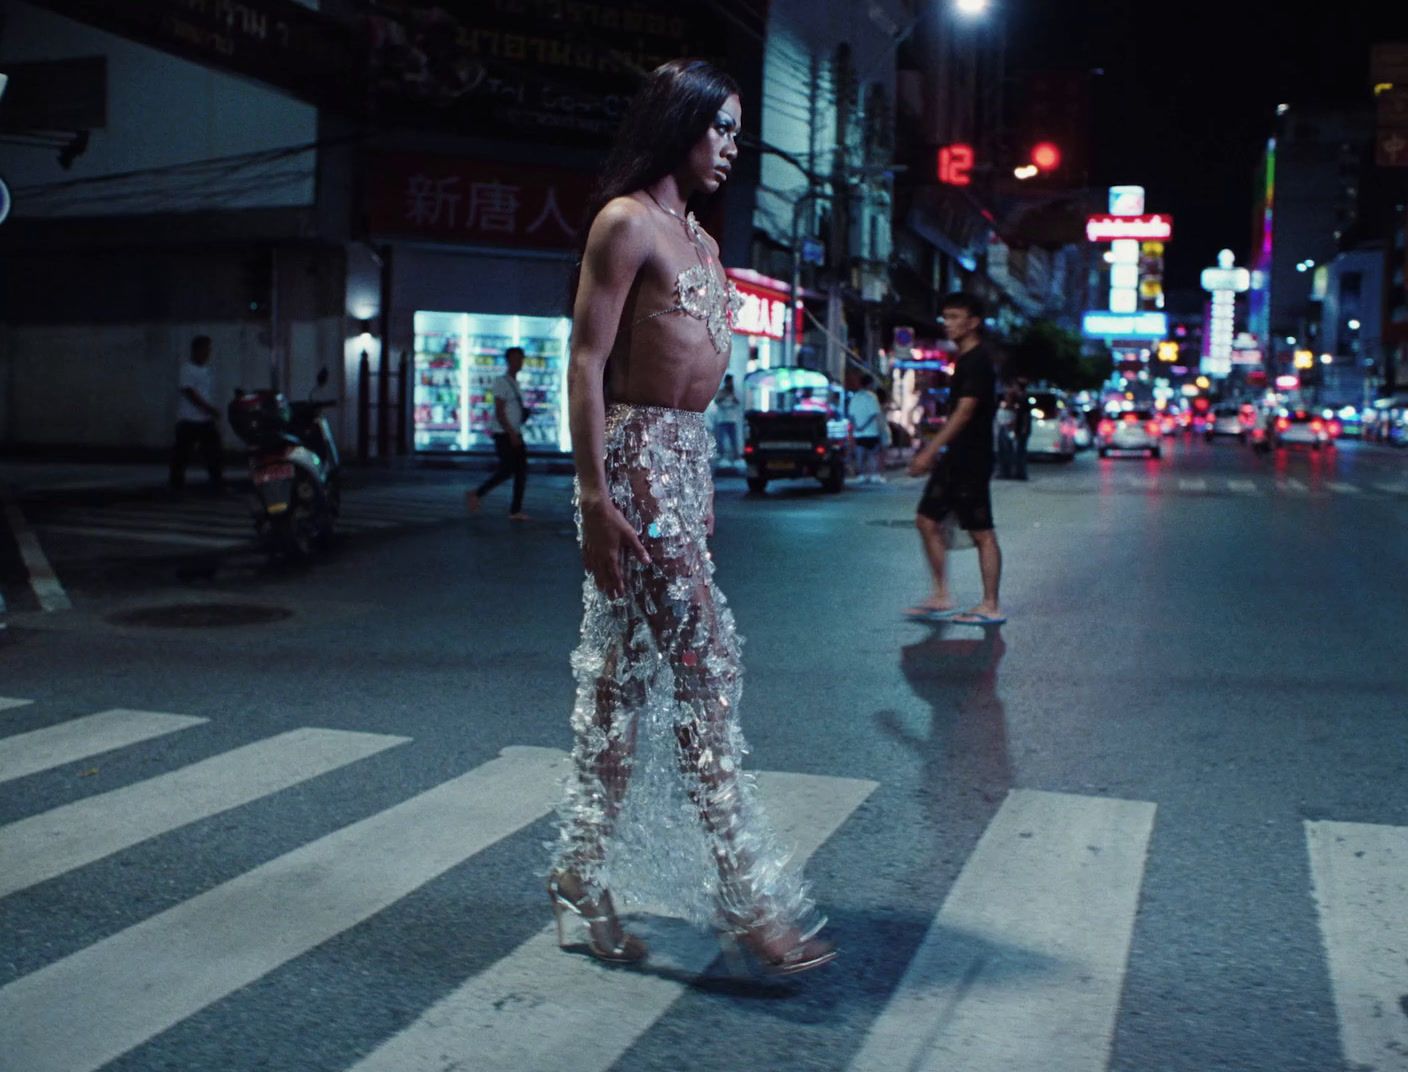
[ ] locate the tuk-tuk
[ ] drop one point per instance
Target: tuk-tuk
(796, 428)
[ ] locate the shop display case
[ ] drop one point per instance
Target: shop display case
(458, 358)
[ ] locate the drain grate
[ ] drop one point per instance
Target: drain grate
(201, 615)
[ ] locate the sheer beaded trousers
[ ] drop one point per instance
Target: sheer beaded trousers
(658, 808)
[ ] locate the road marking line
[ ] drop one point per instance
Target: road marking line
(151, 976)
(130, 521)
(1192, 484)
(1393, 489)
(42, 581)
(498, 1016)
(145, 537)
(71, 836)
(1343, 488)
(1023, 966)
(23, 754)
(7, 704)
(1292, 484)
(1243, 487)
(1360, 876)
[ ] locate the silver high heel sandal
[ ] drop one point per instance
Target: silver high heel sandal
(742, 949)
(629, 950)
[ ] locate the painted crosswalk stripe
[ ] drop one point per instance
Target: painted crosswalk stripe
(151, 976)
(79, 738)
(1393, 489)
(1292, 484)
(1023, 966)
(56, 841)
(1342, 488)
(122, 519)
(143, 536)
(1193, 484)
(496, 1020)
(1360, 875)
(7, 704)
(1243, 487)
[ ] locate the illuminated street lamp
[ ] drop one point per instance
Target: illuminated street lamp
(972, 8)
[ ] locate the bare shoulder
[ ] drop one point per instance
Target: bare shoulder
(621, 220)
(710, 242)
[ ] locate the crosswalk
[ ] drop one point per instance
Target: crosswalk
(1235, 487)
(1021, 969)
(223, 523)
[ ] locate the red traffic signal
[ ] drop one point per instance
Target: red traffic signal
(1046, 156)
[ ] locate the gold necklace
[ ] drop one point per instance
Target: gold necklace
(691, 225)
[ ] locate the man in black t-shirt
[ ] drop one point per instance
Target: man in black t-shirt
(958, 481)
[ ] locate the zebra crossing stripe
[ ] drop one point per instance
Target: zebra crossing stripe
(1342, 488)
(1393, 489)
(1360, 875)
(1192, 484)
(136, 519)
(1023, 966)
(1292, 484)
(81, 1012)
(1243, 487)
(24, 754)
(56, 841)
(512, 1017)
(7, 704)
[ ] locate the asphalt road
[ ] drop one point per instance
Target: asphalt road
(1156, 823)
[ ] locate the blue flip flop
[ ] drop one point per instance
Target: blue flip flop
(931, 615)
(975, 618)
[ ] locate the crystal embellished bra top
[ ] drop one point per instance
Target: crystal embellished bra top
(700, 293)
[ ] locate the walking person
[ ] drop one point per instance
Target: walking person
(196, 418)
(867, 419)
(727, 411)
(959, 480)
(1022, 429)
(507, 430)
(658, 809)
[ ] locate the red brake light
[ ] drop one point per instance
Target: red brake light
(748, 448)
(821, 450)
(1282, 423)
(1336, 428)
(1153, 427)
(1107, 427)
(1317, 426)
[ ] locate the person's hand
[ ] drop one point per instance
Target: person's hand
(607, 537)
(921, 463)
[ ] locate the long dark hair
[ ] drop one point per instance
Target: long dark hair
(668, 115)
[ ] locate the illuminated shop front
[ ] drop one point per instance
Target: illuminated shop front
(760, 329)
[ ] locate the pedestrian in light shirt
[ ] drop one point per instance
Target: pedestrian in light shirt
(507, 430)
(196, 417)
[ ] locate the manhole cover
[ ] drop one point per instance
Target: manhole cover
(201, 615)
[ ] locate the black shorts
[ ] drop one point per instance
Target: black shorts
(870, 442)
(962, 492)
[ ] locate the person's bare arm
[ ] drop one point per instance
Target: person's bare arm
(198, 400)
(962, 413)
(617, 247)
(501, 412)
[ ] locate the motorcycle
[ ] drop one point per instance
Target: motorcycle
(294, 467)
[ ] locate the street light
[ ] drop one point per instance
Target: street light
(972, 8)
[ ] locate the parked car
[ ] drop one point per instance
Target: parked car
(1054, 425)
(1132, 430)
(795, 429)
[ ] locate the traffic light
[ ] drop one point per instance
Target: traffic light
(1046, 157)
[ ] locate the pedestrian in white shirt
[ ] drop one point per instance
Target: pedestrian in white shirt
(507, 430)
(867, 418)
(196, 417)
(727, 410)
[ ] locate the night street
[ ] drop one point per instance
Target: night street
(1158, 822)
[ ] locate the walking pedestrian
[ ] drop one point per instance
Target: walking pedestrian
(959, 480)
(658, 809)
(866, 420)
(1007, 434)
(727, 411)
(1022, 430)
(196, 417)
(507, 430)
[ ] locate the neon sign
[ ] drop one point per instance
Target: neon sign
(764, 310)
(1109, 325)
(956, 164)
(1108, 228)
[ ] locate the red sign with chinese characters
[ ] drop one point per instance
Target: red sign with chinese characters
(475, 202)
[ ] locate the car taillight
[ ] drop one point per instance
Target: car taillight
(1317, 426)
(1153, 427)
(748, 448)
(821, 450)
(1107, 428)
(1335, 429)
(1282, 423)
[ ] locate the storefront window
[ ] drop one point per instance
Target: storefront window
(458, 357)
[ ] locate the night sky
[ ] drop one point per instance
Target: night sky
(1189, 92)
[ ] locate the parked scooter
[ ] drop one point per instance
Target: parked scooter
(293, 465)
